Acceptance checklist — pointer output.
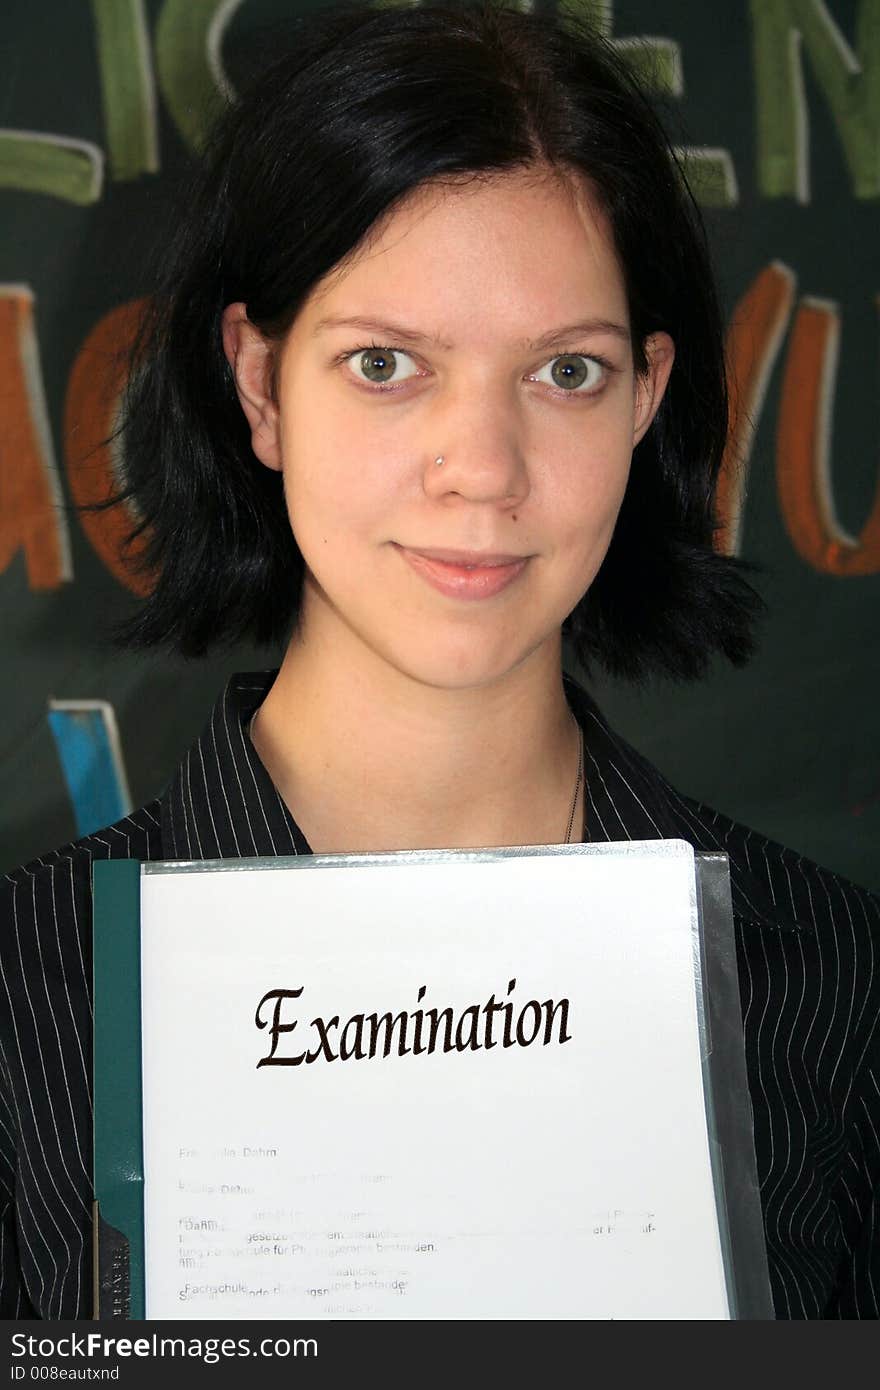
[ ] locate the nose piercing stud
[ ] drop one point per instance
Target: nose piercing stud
(439, 461)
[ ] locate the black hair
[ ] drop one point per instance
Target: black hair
(367, 105)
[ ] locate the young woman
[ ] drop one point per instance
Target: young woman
(435, 376)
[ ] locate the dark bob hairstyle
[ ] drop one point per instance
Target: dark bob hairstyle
(364, 107)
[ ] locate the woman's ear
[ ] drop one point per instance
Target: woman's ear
(650, 385)
(251, 355)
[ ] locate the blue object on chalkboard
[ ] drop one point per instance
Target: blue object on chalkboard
(90, 753)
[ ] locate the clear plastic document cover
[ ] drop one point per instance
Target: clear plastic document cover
(440, 1085)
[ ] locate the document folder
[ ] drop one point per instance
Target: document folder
(415, 1065)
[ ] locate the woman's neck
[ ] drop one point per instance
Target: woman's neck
(369, 759)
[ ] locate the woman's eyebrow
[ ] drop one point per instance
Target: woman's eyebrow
(399, 333)
(395, 331)
(558, 336)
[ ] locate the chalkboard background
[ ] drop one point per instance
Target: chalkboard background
(787, 95)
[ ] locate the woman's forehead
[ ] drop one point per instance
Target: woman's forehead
(519, 252)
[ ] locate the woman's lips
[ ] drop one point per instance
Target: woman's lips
(465, 574)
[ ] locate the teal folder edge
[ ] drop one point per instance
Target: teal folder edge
(118, 1130)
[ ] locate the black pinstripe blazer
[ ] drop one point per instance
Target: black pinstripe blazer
(806, 944)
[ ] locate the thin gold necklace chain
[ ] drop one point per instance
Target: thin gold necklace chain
(577, 786)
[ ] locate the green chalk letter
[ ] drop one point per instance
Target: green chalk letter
(53, 164)
(188, 40)
(656, 63)
(850, 83)
(127, 87)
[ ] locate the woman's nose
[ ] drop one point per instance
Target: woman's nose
(477, 453)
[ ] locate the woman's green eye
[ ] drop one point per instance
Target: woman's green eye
(569, 372)
(382, 366)
(379, 364)
(572, 372)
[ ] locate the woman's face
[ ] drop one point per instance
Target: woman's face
(487, 325)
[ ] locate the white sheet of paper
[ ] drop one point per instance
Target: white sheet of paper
(558, 1179)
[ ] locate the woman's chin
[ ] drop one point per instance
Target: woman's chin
(452, 667)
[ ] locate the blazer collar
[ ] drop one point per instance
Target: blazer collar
(222, 803)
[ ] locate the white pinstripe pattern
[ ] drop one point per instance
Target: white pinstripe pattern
(806, 944)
